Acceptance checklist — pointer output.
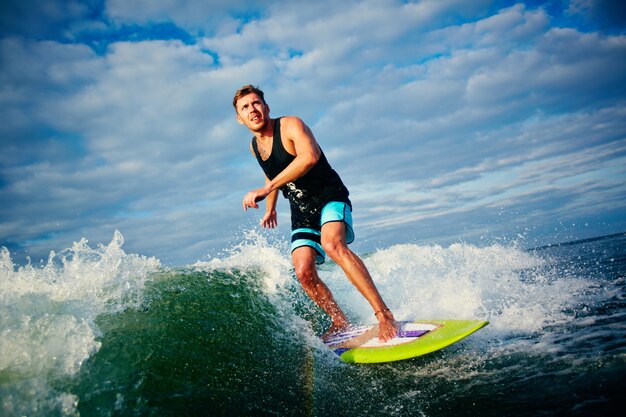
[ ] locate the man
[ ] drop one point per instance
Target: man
(321, 213)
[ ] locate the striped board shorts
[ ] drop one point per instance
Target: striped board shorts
(334, 211)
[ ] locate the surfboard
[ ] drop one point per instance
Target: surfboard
(360, 344)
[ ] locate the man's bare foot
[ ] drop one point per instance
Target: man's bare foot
(334, 329)
(387, 325)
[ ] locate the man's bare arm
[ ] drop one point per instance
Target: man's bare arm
(299, 141)
(270, 219)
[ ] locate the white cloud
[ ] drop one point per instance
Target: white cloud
(431, 111)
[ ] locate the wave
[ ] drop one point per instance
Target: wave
(95, 327)
(47, 317)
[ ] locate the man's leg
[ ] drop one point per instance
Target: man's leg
(334, 244)
(304, 262)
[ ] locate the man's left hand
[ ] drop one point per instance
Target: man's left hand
(253, 197)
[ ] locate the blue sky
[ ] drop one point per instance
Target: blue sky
(481, 121)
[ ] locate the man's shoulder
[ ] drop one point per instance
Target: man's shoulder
(291, 126)
(290, 121)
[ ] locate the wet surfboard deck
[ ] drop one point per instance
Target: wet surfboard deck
(415, 338)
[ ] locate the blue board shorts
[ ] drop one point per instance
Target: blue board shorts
(335, 211)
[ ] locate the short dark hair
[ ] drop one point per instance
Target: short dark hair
(244, 91)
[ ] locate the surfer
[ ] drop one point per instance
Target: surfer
(321, 212)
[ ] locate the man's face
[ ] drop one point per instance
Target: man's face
(252, 112)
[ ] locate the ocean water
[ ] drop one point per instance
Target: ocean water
(99, 332)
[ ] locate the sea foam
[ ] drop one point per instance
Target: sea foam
(516, 290)
(47, 316)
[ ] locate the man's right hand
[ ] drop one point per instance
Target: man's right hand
(270, 220)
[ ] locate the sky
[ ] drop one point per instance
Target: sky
(449, 120)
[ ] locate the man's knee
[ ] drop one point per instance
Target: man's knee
(334, 248)
(306, 273)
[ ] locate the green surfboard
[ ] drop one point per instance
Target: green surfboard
(415, 338)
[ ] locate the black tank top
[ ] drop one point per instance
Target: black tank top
(309, 193)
